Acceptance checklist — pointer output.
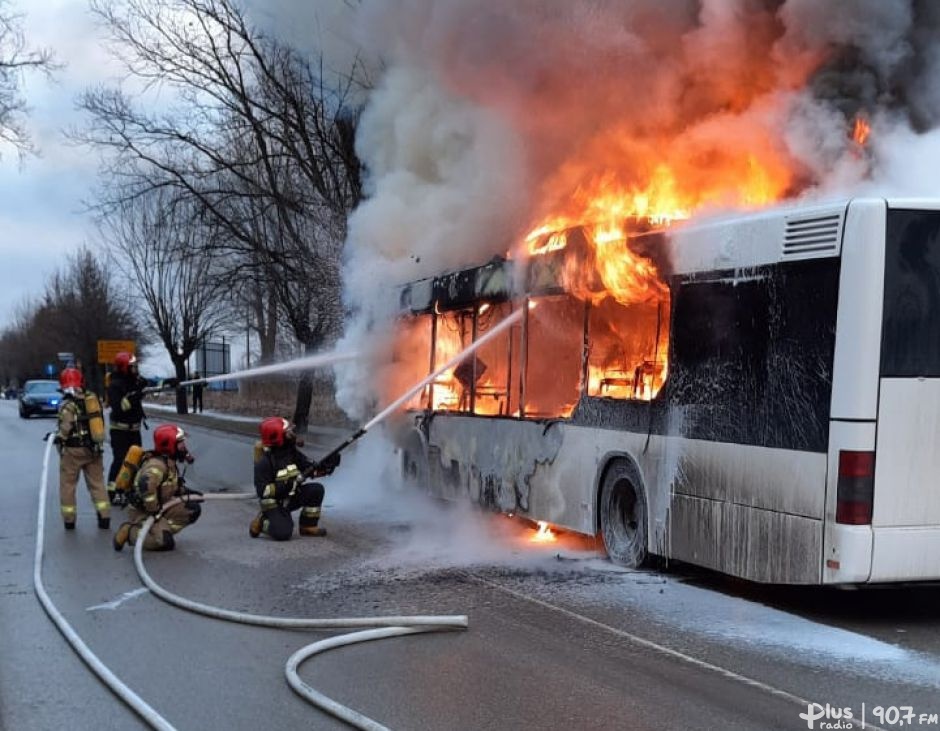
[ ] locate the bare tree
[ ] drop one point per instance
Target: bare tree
(261, 139)
(15, 58)
(80, 306)
(161, 248)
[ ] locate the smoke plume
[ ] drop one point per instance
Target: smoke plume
(489, 118)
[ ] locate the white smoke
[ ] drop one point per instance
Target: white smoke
(480, 107)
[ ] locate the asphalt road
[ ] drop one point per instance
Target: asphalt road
(558, 638)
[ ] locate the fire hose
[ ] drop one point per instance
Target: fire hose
(381, 627)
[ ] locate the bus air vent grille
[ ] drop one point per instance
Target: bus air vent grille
(815, 236)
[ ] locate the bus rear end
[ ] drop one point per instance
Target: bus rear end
(884, 460)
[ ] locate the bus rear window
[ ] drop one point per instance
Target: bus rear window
(911, 328)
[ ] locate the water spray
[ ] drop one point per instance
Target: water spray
(298, 364)
(322, 359)
(452, 363)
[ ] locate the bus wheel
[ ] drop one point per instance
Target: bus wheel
(623, 515)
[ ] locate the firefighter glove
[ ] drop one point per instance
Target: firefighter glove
(329, 464)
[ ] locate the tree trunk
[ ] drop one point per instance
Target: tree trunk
(304, 398)
(182, 403)
(269, 338)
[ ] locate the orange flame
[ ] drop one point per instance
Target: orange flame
(544, 534)
(862, 130)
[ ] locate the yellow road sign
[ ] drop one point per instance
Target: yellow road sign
(107, 349)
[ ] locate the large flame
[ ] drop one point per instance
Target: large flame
(628, 358)
(605, 207)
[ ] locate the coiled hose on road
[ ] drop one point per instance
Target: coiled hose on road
(382, 627)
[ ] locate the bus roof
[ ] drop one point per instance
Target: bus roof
(716, 242)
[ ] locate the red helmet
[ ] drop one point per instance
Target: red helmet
(170, 441)
(71, 380)
(275, 431)
(123, 361)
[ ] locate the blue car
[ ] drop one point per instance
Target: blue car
(40, 397)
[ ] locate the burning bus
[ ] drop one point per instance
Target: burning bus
(759, 394)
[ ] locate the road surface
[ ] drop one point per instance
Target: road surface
(558, 638)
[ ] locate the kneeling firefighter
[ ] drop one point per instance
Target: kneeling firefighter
(158, 481)
(80, 440)
(281, 470)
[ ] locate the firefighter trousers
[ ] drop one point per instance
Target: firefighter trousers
(76, 461)
(162, 532)
(276, 521)
(121, 441)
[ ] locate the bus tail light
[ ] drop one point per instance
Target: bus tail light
(856, 488)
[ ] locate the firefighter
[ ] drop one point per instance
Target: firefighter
(157, 482)
(79, 451)
(125, 391)
(197, 393)
(280, 472)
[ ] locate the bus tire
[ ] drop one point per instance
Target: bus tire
(623, 514)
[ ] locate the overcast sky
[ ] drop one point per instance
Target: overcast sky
(41, 200)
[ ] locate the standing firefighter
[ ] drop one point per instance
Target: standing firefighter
(197, 393)
(159, 481)
(79, 439)
(280, 472)
(125, 391)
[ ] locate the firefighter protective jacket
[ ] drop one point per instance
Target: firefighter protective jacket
(276, 473)
(124, 399)
(157, 481)
(73, 424)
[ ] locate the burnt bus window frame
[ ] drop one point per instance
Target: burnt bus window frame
(910, 329)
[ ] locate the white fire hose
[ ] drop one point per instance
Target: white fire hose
(97, 667)
(382, 627)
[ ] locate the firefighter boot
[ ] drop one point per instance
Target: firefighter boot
(254, 528)
(310, 514)
(104, 522)
(70, 525)
(121, 536)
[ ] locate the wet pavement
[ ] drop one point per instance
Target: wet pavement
(558, 639)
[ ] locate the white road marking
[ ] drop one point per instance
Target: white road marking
(115, 603)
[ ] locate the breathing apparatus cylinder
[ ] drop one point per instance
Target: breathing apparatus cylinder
(257, 451)
(132, 462)
(95, 418)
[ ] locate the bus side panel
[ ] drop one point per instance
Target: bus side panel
(907, 463)
(781, 480)
(906, 514)
(759, 545)
(543, 470)
(753, 512)
(510, 465)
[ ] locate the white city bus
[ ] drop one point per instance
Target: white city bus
(773, 414)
